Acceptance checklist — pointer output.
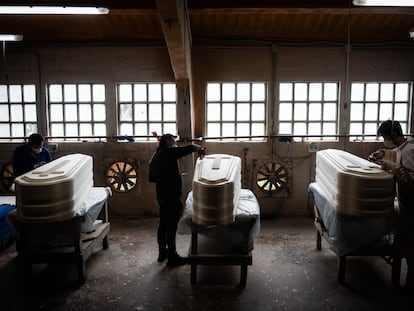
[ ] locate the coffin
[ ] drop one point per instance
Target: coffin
(216, 189)
(54, 191)
(354, 186)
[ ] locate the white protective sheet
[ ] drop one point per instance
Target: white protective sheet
(349, 233)
(248, 208)
(90, 208)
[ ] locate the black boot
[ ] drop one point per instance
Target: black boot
(176, 260)
(162, 255)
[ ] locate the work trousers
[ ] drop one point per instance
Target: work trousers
(170, 210)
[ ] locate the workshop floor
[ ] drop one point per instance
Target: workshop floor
(288, 273)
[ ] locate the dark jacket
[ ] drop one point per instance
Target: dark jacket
(164, 169)
(24, 160)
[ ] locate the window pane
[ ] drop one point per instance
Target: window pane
(55, 93)
(243, 91)
(169, 92)
(169, 112)
(125, 93)
(85, 113)
(243, 112)
(329, 112)
(258, 92)
(285, 91)
(213, 112)
(99, 112)
(357, 112)
(16, 113)
(329, 129)
(315, 91)
(17, 130)
(357, 92)
(125, 112)
(154, 92)
(229, 91)
(5, 130)
(258, 129)
(315, 112)
(299, 128)
(259, 112)
(401, 91)
(4, 113)
(71, 129)
(285, 111)
(355, 129)
(385, 111)
(170, 128)
(156, 127)
(213, 92)
(100, 129)
(56, 112)
(141, 129)
(126, 129)
(315, 129)
(285, 128)
(370, 129)
(140, 111)
(386, 92)
(229, 113)
(30, 113)
(331, 91)
(229, 129)
(371, 91)
(300, 112)
(213, 130)
(301, 91)
(85, 93)
(85, 130)
(15, 93)
(71, 113)
(243, 129)
(4, 97)
(140, 92)
(98, 92)
(29, 93)
(70, 93)
(57, 130)
(154, 112)
(400, 112)
(371, 112)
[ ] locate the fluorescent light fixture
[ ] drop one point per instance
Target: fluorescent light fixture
(383, 2)
(43, 9)
(10, 37)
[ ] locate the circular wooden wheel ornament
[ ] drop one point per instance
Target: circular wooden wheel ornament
(7, 176)
(121, 176)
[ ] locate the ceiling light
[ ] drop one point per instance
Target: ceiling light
(43, 9)
(384, 2)
(411, 32)
(10, 37)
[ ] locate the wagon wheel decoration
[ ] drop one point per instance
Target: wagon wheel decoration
(7, 176)
(121, 176)
(272, 177)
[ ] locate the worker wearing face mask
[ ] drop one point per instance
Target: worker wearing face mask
(400, 162)
(164, 171)
(30, 155)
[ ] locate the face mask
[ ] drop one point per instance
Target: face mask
(388, 143)
(36, 150)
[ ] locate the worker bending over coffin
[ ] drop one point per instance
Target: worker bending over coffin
(30, 155)
(399, 160)
(163, 170)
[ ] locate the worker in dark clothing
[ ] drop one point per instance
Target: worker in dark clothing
(399, 160)
(30, 155)
(165, 173)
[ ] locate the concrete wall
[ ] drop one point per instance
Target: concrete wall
(110, 65)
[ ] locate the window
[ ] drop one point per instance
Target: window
(309, 109)
(18, 117)
(236, 110)
(77, 111)
(374, 102)
(145, 108)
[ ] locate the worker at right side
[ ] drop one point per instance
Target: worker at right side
(398, 159)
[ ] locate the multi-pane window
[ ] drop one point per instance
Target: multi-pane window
(309, 110)
(374, 102)
(236, 111)
(145, 108)
(18, 117)
(77, 111)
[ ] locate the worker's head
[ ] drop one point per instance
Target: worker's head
(167, 141)
(36, 142)
(392, 133)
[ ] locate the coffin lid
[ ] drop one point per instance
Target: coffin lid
(216, 168)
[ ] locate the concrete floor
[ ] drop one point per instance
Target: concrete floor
(288, 273)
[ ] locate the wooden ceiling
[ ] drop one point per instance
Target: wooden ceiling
(219, 22)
